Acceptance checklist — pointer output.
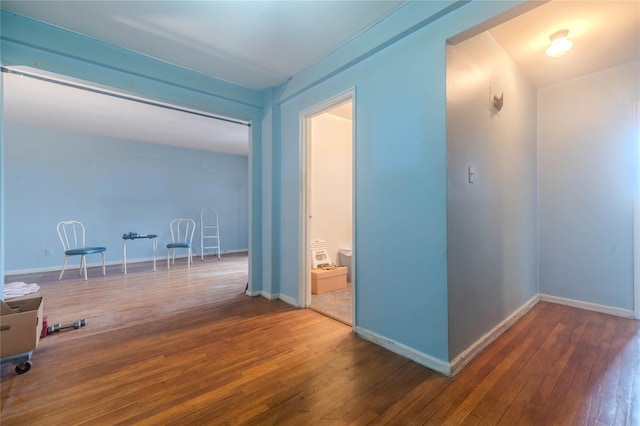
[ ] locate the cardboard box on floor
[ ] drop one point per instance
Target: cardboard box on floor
(325, 280)
(20, 326)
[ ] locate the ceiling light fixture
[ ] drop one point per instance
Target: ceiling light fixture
(560, 44)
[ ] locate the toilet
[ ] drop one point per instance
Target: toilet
(345, 260)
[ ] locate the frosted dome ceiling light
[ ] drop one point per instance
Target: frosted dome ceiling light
(560, 44)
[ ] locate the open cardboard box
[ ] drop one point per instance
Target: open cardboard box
(20, 326)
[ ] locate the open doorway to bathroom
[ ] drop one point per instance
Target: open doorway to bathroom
(636, 214)
(329, 205)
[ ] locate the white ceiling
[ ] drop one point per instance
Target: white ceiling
(604, 34)
(258, 44)
(264, 43)
(37, 102)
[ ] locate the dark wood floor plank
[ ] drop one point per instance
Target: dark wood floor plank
(187, 347)
(627, 366)
(516, 346)
(479, 404)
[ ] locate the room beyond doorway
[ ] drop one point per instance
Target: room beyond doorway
(329, 210)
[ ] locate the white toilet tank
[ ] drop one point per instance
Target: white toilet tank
(345, 260)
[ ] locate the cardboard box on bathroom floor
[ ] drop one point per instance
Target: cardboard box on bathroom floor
(325, 280)
(20, 325)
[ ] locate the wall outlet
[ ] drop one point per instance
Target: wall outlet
(48, 252)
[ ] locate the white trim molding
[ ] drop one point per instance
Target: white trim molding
(287, 299)
(611, 310)
(254, 293)
(159, 258)
(472, 351)
(73, 265)
(406, 351)
(636, 211)
(457, 364)
(304, 286)
(269, 296)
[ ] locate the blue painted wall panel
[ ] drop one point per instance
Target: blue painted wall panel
(400, 194)
(32, 44)
(113, 186)
(399, 75)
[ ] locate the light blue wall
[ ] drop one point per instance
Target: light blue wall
(35, 44)
(398, 71)
(25, 42)
(113, 186)
(267, 202)
(586, 178)
(492, 246)
(255, 205)
(271, 160)
(400, 194)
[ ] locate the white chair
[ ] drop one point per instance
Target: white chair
(71, 233)
(181, 237)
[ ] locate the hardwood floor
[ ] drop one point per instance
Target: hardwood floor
(188, 347)
(337, 304)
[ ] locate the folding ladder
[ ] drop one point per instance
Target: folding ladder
(209, 231)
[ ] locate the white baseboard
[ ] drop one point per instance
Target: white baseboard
(273, 296)
(472, 351)
(267, 295)
(222, 253)
(71, 265)
(288, 300)
(406, 351)
(611, 310)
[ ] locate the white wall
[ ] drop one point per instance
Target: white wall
(331, 192)
(491, 223)
(2, 166)
(586, 167)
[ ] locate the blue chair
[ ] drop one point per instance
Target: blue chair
(71, 233)
(181, 237)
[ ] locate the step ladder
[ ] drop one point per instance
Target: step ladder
(209, 232)
(319, 254)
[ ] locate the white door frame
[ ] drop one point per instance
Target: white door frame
(636, 211)
(305, 166)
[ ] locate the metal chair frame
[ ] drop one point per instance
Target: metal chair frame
(182, 231)
(72, 237)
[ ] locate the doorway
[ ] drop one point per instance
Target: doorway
(329, 231)
(130, 167)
